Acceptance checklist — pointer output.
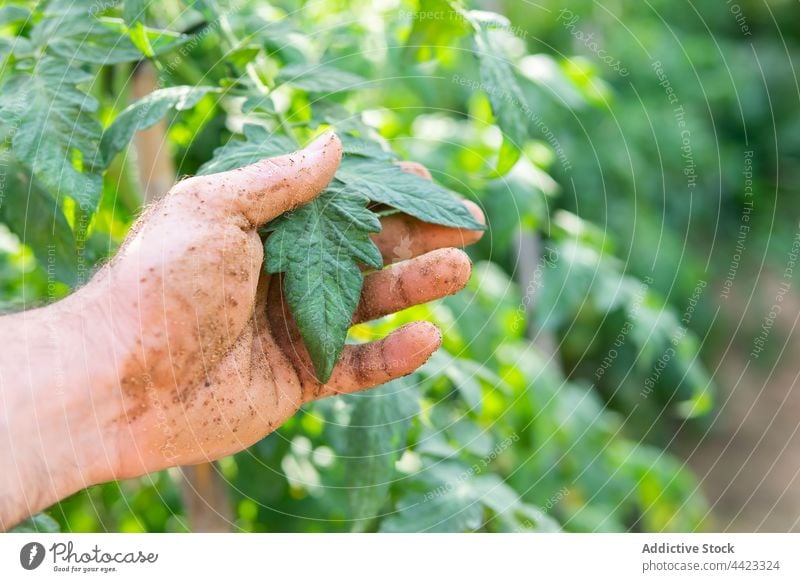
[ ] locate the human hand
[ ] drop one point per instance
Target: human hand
(181, 350)
(206, 357)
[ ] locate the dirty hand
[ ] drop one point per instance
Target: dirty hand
(181, 349)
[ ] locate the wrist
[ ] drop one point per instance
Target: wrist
(58, 423)
(86, 384)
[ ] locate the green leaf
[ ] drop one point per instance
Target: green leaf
(6, 48)
(257, 145)
(134, 10)
(448, 503)
(145, 113)
(258, 102)
(339, 116)
(14, 13)
(376, 438)
(389, 184)
(447, 513)
(137, 32)
(499, 81)
(38, 221)
(319, 78)
(70, 30)
(356, 146)
(507, 158)
(454, 498)
(150, 42)
(511, 514)
(430, 35)
(241, 56)
(58, 133)
(133, 13)
(504, 93)
(465, 378)
(39, 523)
(468, 386)
(19, 46)
(534, 519)
(281, 38)
(319, 247)
(206, 8)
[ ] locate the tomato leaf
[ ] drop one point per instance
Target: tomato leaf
(241, 56)
(319, 247)
(319, 78)
(37, 220)
(356, 146)
(442, 499)
(73, 31)
(69, 31)
(13, 13)
(133, 13)
(389, 184)
(58, 132)
(499, 81)
(429, 36)
(257, 145)
(258, 103)
(39, 523)
(376, 438)
(145, 113)
(134, 10)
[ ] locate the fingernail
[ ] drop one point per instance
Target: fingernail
(321, 141)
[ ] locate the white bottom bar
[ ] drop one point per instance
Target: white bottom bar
(402, 557)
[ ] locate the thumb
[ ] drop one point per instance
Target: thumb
(270, 187)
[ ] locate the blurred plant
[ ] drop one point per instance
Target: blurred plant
(491, 435)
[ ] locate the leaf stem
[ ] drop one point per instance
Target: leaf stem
(232, 41)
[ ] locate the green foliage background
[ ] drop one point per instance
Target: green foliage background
(554, 401)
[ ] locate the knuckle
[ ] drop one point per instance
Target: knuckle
(185, 188)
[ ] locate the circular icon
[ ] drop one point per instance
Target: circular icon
(31, 555)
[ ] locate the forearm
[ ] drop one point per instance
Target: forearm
(54, 427)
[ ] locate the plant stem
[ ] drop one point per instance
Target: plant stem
(230, 38)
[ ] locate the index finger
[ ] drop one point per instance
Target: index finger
(266, 189)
